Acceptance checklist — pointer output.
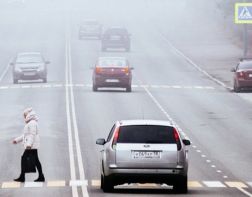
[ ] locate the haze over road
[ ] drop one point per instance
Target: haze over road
(165, 86)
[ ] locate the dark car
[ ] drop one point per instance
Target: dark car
(116, 37)
(112, 72)
(243, 75)
(90, 28)
(29, 66)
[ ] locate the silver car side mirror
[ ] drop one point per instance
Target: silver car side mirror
(186, 142)
(100, 141)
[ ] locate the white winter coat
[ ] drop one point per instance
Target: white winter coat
(30, 136)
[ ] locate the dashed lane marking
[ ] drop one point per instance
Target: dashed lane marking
(96, 183)
(6, 87)
(78, 183)
(33, 184)
(213, 184)
(10, 185)
(236, 184)
(193, 184)
(56, 183)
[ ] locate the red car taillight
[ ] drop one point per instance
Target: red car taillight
(241, 74)
(116, 135)
(176, 137)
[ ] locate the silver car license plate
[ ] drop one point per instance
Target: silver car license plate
(112, 80)
(146, 154)
(29, 73)
(115, 38)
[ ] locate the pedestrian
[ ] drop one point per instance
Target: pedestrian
(30, 140)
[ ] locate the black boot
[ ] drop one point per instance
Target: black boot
(21, 178)
(41, 178)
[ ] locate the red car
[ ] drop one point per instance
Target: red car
(112, 72)
(243, 75)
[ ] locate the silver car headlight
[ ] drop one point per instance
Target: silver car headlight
(17, 69)
(41, 68)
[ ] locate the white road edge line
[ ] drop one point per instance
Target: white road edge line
(69, 125)
(164, 112)
(180, 53)
(76, 130)
(244, 191)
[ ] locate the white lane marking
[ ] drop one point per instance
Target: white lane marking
(244, 191)
(25, 86)
(213, 184)
(180, 53)
(240, 186)
(167, 115)
(36, 86)
(4, 87)
(47, 86)
(250, 183)
(11, 185)
(78, 183)
(33, 184)
(225, 177)
(90, 85)
(5, 71)
(208, 161)
(176, 87)
(75, 125)
(58, 183)
(69, 126)
(58, 85)
(79, 85)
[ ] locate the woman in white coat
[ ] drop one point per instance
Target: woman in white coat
(30, 140)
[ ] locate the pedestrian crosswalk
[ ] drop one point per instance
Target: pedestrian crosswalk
(96, 183)
(80, 85)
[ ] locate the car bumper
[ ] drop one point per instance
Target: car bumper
(89, 34)
(102, 81)
(29, 75)
(120, 176)
(245, 83)
(115, 45)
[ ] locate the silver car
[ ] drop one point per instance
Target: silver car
(144, 151)
(29, 66)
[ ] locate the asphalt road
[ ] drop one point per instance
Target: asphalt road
(72, 116)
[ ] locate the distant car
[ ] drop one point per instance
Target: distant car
(144, 151)
(112, 72)
(242, 75)
(90, 28)
(116, 37)
(29, 66)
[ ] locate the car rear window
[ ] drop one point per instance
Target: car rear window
(29, 59)
(245, 65)
(116, 31)
(112, 63)
(146, 134)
